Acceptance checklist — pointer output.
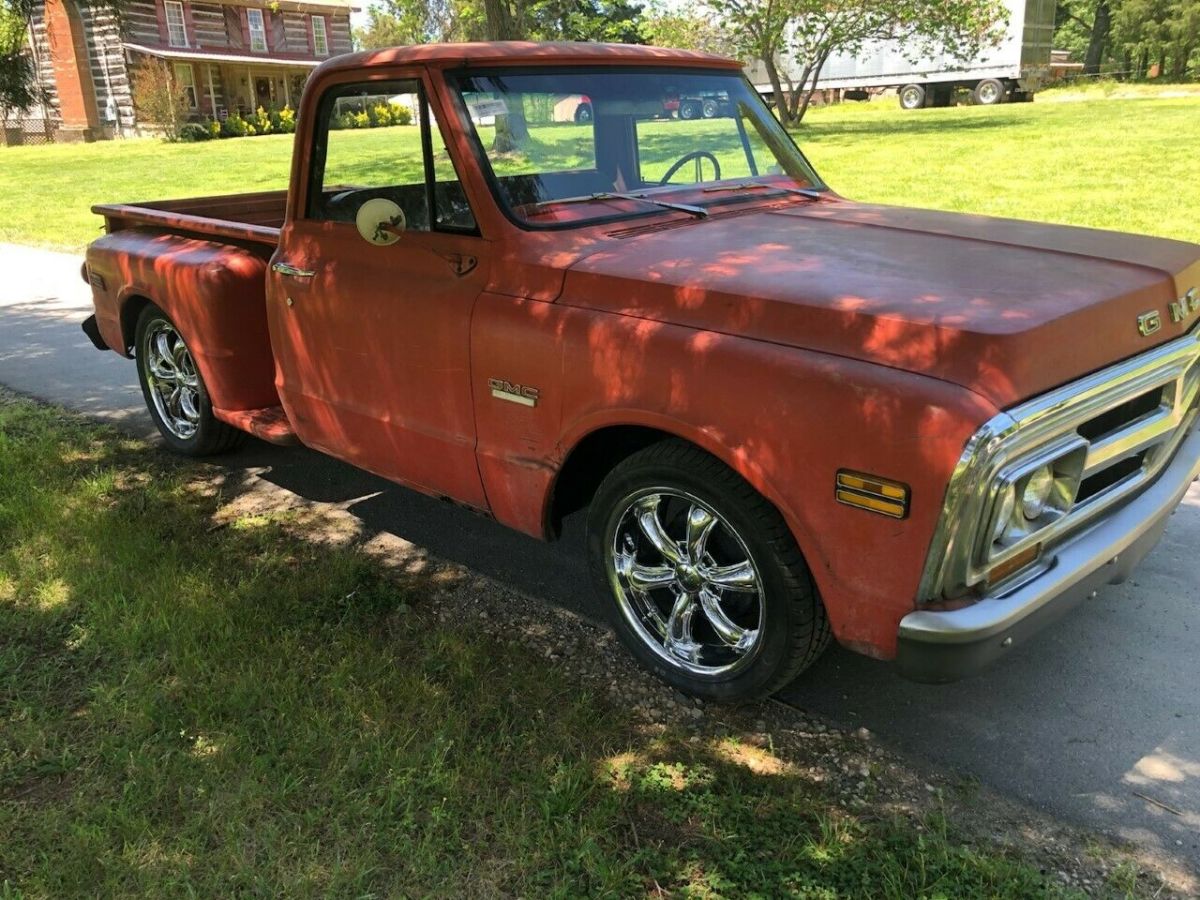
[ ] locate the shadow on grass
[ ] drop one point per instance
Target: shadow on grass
(238, 709)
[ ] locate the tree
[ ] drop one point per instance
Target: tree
(392, 23)
(811, 31)
(687, 29)
(1088, 22)
(158, 99)
(18, 77)
(1165, 31)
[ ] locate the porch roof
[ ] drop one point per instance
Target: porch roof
(238, 58)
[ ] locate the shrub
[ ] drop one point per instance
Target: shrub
(361, 120)
(401, 115)
(158, 98)
(235, 126)
(381, 115)
(287, 120)
(261, 121)
(193, 131)
(214, 129)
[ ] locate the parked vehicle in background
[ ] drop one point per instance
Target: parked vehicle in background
(1013, 71)
(708, 105)
(788, 415)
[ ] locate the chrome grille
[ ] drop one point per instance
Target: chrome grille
(1132, 417)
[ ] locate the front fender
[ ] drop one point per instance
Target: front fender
(787, 420)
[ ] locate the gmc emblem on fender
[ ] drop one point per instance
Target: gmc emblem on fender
(1186, 306)
(514, 393)
(1149, 322)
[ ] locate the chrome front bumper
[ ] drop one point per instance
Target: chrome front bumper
(937, 646)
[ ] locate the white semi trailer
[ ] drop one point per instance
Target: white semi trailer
(1012, 71)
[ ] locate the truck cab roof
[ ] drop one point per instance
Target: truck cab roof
(527, 53)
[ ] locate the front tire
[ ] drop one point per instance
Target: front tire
(706, 584)
(174, 389)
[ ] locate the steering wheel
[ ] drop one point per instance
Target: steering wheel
(687, 158)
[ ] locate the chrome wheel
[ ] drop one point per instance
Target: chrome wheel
(171, 376)
(686, 583)
(989, 92)
(911, 97)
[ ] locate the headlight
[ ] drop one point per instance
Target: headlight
(1037, 493)
(1031, 493)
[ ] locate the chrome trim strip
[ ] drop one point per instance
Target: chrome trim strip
(954, 554)
(513, 398)
(291, 271)
(1077, 559)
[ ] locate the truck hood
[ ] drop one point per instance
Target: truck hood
(1006, 308)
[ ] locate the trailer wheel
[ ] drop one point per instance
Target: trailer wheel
(912, 96)
(988, 92)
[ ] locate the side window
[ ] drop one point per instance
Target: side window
(369, 144)
(450, 201)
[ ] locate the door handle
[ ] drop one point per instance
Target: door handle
(291, 271)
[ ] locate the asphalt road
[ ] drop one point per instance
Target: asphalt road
(1101, 708)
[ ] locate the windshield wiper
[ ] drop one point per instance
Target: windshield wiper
(810, 193)
(698, 211)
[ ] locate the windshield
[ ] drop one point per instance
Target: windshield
(569, 147)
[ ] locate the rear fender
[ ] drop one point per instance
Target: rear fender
(213, 292)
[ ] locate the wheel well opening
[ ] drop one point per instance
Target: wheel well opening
(130, 313)
(588, 464)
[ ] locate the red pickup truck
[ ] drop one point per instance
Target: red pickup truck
(789, 415)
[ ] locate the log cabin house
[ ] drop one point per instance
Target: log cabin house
(228, 55)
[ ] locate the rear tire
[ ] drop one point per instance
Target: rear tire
(912, 96)
(989, 92)
(709, 109)
(174, 390)
(735, 614)
(689, 110)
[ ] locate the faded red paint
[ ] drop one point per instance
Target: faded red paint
(790, 338)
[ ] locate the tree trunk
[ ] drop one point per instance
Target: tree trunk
(1101, 26)
(782, 103)
(511, 128)
(809, 89)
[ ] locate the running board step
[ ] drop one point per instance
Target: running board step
(269, 423)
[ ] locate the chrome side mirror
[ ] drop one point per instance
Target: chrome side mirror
(380, 222)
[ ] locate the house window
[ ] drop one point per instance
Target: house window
(320, 38)
(258, 30)
(176, 26)
(185, 79)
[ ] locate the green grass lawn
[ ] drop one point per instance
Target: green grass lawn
(188, 710)
(1122, 164)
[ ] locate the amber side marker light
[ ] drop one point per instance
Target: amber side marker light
(1014, 565)
(877, 495)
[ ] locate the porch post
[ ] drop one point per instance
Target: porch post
(212, 93)
(287, 94)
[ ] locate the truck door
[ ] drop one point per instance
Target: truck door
(371, 291)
